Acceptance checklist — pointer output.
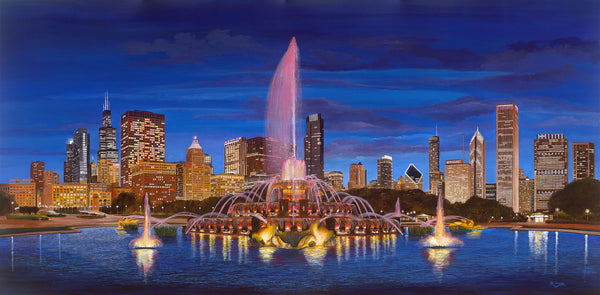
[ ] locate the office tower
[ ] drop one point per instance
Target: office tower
(583, 160)
(208, 161)
(357, 176)
(179, 180)
(49, 180)
(436, 183)
(490, 191)
(413, 178)
(434, 164)
(235, 156)
(24, 192)
(93, 171)
(458, 181)
(260, 151)
(477, 161)
(313, 146)
(81, 156)
(196, 173)
(526, 192)
(507, 155)
(108, 155)
(551, 167)
(68, 164)
(335, 179)
(70, 195)
(36, 173)
(223, 184)
(158, 179)
(384, 172)
(142, 138)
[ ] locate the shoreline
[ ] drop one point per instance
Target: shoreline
(72, 224)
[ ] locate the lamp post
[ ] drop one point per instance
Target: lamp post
(556, 214)
(587, 214)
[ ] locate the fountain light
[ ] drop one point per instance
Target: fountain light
(146, 240)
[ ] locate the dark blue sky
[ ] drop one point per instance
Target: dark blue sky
(382, 74)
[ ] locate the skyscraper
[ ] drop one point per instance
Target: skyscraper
(260, 151)
(235, 156)
(68, 164)
(434, 163)
(142, 138)
(583, 160)
(384, 172)
(196, 173)
(507, 155)
(551, 167)
(108, 155)
(458, 181)
(413, 178)
(158, 179)
(81, 156)
(36, 174)
(313, 146)
(477, 161)
(526, 192)
(335, 179)
(357, 176)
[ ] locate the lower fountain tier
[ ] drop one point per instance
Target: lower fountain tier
(244, 225)
(286, 208)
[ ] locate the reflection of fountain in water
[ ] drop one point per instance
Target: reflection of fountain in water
(440, 237)
(146, 240)
(440, 259)
(144, 258)
(315, 256)
(585, 258)
(538, 244)
(555, 253)
(516, 244)
(266, 253)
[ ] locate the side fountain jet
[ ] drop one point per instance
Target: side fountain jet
(440, 238)
(146, 240)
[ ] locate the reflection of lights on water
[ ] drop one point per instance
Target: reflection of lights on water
(12, 254)
(538, 243)
(144, 259)
(585, 257)
(315, 256)
(211, 245)
(242, 249)
(338, 249)
(193, 244)
(555, 252)
(40, 248)
(375, 240)
(440, 259)
(226, 248)
(516, 241)
(59, 248)
(266, 253)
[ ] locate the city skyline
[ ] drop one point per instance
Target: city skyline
(380, 90)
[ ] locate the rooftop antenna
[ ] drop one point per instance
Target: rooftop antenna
(436, 130)
(106, 103)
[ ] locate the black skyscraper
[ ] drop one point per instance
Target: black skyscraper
(314, 146)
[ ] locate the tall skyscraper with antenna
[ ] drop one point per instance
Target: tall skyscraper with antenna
(477, 161)
(108, 155)
(436, 177)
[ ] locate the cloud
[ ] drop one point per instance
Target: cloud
(344, 148)
(569, 121)
(186, 47)
(451, 111)
(553, 78)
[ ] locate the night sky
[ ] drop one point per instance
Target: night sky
(382, 74)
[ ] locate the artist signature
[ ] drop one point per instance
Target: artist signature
(557, 284)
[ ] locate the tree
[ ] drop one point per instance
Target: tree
(5, 205)
(577, 196)
(126, 201)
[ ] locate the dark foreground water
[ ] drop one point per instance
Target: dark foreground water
(499, 261)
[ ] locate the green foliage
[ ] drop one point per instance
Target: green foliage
(127, 202)
(130, 226)
(27, 217)
(419, 231)
(5, 205)
(165, 231)
(577, 196)
(28, 209)
(457, 229)
(480, 210)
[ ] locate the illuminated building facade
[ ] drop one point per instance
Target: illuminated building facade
(108, 154)
(583, 160)
(434, 165)
(50, 178)
(196, 173)
(458, 181)
(68, 164)
(551, 167)
(262, 155)
(335, 179)
(401, 185)
(313, 146)
(99, 195)
(142, 139)
(68, 195)
(357, 177)
(235, 156)
(413, 178)
(24, 192)
(81, 156)
(490, 191)
(158, 179)
(477, 161)
(436, 183)
(384, 172)
(108, 171)
(36, 173)
(526, 192)
(223, 184)
(507, 155)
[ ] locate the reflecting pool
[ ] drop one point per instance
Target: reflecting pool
(99, 261)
